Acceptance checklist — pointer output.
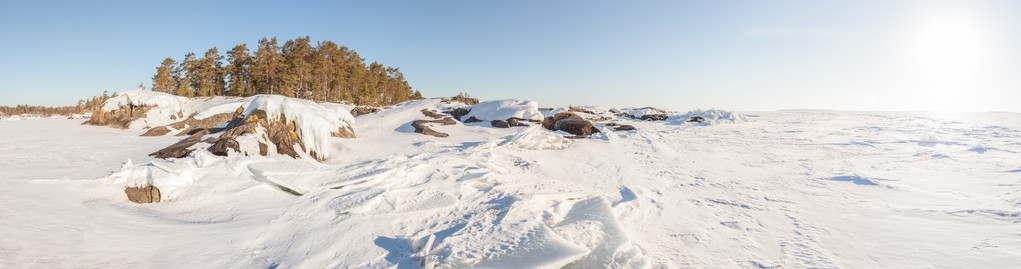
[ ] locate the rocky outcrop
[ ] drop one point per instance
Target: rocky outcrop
(119, 118)
(579, 110)
(570, 123)
(461, 99)
(150, 194)
(432, 114)
(624, 128)
(362, 110)
(181, 148)
(457, 113)
(280, 132)
(500, 124)
(697, 119)
(157, 131)
(422, 126)
(653, 117)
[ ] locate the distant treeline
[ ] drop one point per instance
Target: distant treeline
(321, 72)
(84, 106)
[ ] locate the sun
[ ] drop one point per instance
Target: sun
(947, 51)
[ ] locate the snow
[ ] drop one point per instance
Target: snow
(314, 122)
(789, 189)
(505, 109)
(712, 116)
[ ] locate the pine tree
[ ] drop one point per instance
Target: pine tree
(238, 64)
(164, 80)
(188, 75)
(265, 66)
(210, 74)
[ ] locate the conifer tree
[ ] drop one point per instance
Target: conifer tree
(238, 64)
(164, 80)
(265, 65)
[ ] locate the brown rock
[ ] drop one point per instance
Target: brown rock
(422, 126)
(653, 117)
(431, 114)
(571, 123)
(697, 119)
(624, 128)
(180, 149)
(516, 122)
(472, 119)
(362, 110)
(580, 110)
(157, 131)
(280, 132)
(457, 113)
(120, 118)
(150, 194)
(461, 99)
(500, 124)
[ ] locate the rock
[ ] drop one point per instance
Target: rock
(422, 126)
(472, 119)
(120, 118)
(571, 123)
(457, 113)
(611, 124)
(461, 99)
(362, 110)
(431, 114)
(500, 124)
(280, 132)
(516, 122)
(653, 117)
(180, 149)
(150, 194)
(697, 119)
(580, 110)
(157, 131)
(624, 128)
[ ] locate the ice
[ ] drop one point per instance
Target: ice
(533, 138)
(505, 109)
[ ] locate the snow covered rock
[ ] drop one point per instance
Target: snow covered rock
(505, 109)
(709, 117)
(362, 110)
(422, 126)
(120, 118)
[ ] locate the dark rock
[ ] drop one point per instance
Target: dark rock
(653, 117)
(698, 119)
(422, 126)
(516, 122)
(150, 194)
(611, 124)
(472, 119)
(362, 110)
(571, 123)
(461, 99)
(180, 149)
(280, 132)
(457, 113)
(500, 124)
(624, 128)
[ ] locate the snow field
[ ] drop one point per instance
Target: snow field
(776, 189)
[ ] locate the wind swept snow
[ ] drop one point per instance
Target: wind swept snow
(779, 190)
(505, 109)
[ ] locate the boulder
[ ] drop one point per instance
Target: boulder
(472, 119)
(570, 123)
(697, 119)
(280, 132)
(457, 113)
(362, 110)
(517, 122)
(461, 99)
(432, 114)
(150, 194)
(500, 124)
(580, 110)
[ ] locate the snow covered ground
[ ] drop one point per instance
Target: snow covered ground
(788, 189)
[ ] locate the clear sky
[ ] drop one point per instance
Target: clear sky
(679, 55)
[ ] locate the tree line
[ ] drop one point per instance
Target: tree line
(321, 72)
(83, 106)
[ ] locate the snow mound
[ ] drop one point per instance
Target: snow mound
(314, 122)
(533, 138)
(141, 97)
(712, 116)
(505, 109)
(639, 112)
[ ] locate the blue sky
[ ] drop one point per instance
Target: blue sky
(679, 55)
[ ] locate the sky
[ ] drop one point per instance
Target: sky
(677, 55)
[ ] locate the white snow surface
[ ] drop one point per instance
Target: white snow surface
(777, 190)
(505, 109)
